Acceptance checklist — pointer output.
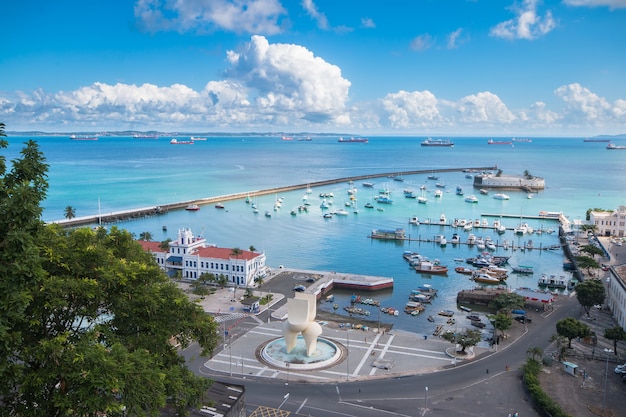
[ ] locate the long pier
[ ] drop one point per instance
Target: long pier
(164, 208)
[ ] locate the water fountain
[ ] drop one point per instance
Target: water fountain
(301, 347)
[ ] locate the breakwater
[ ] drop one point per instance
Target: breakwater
(164, 208)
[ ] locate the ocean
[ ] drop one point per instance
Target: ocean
(117, 173)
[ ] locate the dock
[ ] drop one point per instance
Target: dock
(164, 208)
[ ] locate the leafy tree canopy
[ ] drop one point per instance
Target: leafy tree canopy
(590, 293)
(506, 302)
(570, 328)
(464, 339)
(88, 322)
(616, 334)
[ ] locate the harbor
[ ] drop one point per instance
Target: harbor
(125, 215)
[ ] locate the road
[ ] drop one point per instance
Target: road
(466, 390)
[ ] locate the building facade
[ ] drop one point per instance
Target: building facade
(609, 223)
(190, 256)
(616, 294)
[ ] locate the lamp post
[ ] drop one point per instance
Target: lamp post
(426, 398)
(606, 376)
(348, 355)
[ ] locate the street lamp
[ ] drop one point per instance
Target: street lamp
(606, 376)
(426, 398)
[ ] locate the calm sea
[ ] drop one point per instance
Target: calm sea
(116, 173)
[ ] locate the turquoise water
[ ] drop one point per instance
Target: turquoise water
(113, 174)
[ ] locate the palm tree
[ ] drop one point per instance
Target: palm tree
(252, 248)
(534, 352)
(145, 236)
(259, 282)
(70, 212)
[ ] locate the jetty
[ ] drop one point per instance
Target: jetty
(164, 208)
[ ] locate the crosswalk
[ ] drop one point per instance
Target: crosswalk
(229, 317)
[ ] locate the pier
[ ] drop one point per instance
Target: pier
(164, 208)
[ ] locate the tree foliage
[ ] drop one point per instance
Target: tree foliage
(616, 334)
(464, 339)
(586, 262)
(502, 322)
(506, 302)
(69, 212)
(590, 293)
(89, 324)
(571, 328)
(592, 250)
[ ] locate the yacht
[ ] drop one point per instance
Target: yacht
(442, 219)
(438, 193)
(471, 199)
(500, 196)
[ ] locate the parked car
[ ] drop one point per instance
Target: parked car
(620, 368)
(299, 288)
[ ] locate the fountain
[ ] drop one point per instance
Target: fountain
(301, 346)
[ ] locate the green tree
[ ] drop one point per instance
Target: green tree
(465, 339)
(592, 250)
(252, 248)
(69, 212)
(506, 302)
(502, 322)
(87, 318)
(616, 334)
(145, 236)
(535, 353)
(571, 328)
(586, 262)
(222, 280)
(165, 245)
(590, 293)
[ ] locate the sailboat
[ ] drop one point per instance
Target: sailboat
(422, 199)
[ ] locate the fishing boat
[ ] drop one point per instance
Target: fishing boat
(613, 146)
(446, 313)
(192, 207)
(427, 267)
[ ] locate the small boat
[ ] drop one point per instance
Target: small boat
(431, 319)
(368, 184)
(427, 267)
(446, 313)
(478, 324)
(219, 206)
(463, 270)
(522, 269)
(471, 199)
(268, 214)
(369, 205)
(501, 196)
(466, 309)
(473, 317)
(335, 306)
(438, 193)
(175, 141)
(484, 191)
(192, 207)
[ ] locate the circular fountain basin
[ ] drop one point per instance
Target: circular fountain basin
(327, 353)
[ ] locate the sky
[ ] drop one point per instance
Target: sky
(369, 67)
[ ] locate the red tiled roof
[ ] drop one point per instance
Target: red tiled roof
(208, 252)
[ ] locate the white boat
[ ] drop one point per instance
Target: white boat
(468, 227)
(521, 229)
(342, 212)
(471, 239)
(471, 199)
(442, 219)
(438, 193)
(192, 207)
(414, 220)
(501, 196)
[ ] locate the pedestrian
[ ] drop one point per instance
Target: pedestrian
(487, 370)
(507, 368)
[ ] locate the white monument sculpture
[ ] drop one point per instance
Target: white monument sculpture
(301, 312)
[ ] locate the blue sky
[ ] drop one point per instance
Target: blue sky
(412, 67)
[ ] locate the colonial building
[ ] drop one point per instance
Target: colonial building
(609, 223)
(616, 294)
(191, 257)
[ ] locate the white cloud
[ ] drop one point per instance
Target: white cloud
(612, 4)
(421, 42)
(368, 23)
(411, 109)
(483, 107)
(247, 16)
(526, 25)
(583, 107)
(289, 78)
(453, 38)
(320, 18)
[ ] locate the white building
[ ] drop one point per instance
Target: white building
(616, 294)
(192, 257)
(609, 223)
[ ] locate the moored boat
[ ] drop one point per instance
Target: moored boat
(427, 267)
(192, 207)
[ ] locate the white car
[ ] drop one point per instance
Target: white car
(620, 369)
